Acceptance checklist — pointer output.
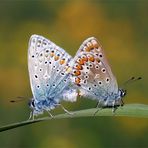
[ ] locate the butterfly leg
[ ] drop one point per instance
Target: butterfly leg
(114, 107)
(122, 103)
(98, 105)
(31, 116)
(50, 114)
(70, 113)
(98, 109)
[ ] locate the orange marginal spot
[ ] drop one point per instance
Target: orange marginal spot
(90, 45)
(51, 54)
(85, 59)
(77, 72)
(77, 80)
(88, 49)
(91, 58)
(56, 58)
(80, 61)
(62, 61)
(78, 67)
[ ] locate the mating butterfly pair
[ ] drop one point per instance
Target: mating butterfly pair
(56, 76)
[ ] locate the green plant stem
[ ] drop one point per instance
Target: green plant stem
(128, 110)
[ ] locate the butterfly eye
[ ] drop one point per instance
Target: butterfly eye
(31, 104)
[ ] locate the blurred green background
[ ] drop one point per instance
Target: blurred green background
(122, 28)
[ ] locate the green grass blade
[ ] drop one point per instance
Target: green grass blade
(129, 110)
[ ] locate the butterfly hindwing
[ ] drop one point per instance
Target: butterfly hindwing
(91, 71)
(48, 66)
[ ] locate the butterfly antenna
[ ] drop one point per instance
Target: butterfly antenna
(17, 99)
(131, 80)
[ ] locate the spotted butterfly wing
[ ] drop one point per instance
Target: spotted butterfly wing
(93, 75)
(49, 71)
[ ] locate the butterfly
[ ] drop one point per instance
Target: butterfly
(93, 76)
(49, 71)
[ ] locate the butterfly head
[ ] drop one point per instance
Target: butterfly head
(122, 92)
(31, 104)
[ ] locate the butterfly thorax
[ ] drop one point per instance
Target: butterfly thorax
(113, 99)
(39, 106)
